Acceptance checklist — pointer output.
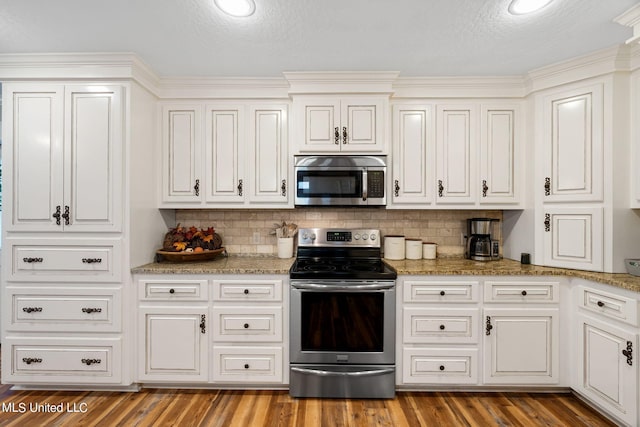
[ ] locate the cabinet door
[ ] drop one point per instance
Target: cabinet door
(33, 153)
(498, 155)
(321, 122)
(93, 158)
(412, 154)
(456, 155)
(521, 346)
(173, 344)
(182, 153)
(573, 238)
(269, 169)
(605, 374)
(224, 154)
(573, 146)
(362, 125)
(635, 139)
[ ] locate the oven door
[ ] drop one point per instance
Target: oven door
(342, 322)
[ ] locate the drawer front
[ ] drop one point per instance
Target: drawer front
(173, 290)
(66, 262)
(421, 291)
(435, 325)
(440, 366)
(64, 309)
(247, 290)
(247, 364)
(521, 292)
(245, 324)
(64, 361)
(609, 305)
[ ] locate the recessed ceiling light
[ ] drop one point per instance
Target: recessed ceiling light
(521, 7)
(238, 8)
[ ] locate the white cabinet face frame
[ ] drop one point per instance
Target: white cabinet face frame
(573, 238)
(182, 178)
(268, 163)
(499, 154)
(225, 136)
(572, 142)
(413, 154)
(456, 139)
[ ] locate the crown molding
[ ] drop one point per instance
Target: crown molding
(312, 82)
(631, 18)
(459, 87)
(223, 88)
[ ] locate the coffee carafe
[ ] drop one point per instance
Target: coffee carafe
(480, 244)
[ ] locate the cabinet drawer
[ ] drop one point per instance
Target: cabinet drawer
(419, 291)
(440, 366)
(521, 292)
(173, 290)
(437, 325)
(609, 305)
(247, 290)
(64, 309)
(66, 261)
(247, 324)
(247, 364)
(63, 360)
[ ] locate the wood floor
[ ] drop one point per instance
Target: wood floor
(169, 407)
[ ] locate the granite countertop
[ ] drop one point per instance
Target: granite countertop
(238, 264)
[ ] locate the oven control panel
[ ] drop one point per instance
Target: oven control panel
(338, 237)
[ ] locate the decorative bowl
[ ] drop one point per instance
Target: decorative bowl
(633, 266)
(183, 256)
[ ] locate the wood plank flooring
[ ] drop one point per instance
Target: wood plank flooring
(178, 407)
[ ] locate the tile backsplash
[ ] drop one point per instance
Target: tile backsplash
(246, 231)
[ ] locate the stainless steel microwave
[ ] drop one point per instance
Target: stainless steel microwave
(340, 180)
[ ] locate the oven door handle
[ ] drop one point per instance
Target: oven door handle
(350, 287)
(320, 372)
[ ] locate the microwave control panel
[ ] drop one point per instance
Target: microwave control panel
(375, 184)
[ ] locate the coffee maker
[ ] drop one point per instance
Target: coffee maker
(480, 244)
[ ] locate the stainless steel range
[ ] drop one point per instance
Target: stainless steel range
(342, 334)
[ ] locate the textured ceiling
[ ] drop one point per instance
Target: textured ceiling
(415, 37)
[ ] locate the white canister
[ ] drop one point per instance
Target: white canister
(394, 247)
(429, 250)
(285, 247)
(413, 248)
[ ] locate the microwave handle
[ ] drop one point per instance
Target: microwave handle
(364, 185)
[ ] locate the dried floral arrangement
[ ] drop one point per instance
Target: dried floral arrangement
(191, 239)
(284, 229)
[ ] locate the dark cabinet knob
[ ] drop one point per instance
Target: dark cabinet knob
(600, 304)
(172, 291)
(246, 291)
(442, 327)
(246, 326)
(524, 293)
(246, 366)
(442, 293)
(441, 367)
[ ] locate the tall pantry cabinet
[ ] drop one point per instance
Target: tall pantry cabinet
(74, 221)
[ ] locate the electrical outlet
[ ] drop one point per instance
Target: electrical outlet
(256, 238)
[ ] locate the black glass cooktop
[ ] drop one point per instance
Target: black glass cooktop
(341, 268)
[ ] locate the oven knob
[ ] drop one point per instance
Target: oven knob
(305, 236)
(356, 236)
(373, 237)
(313, 237)
(365, 237)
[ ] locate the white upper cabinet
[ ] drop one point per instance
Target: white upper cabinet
(572, 142)
(412, 154)
(224, 153)
(182, 153)
(338, 124)
(268, 158)
(67, 157)
(499, 153)
(635, 139)
(456, 140)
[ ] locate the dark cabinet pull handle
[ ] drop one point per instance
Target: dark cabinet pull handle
(90, 310)
(66, 215)
(31, 260)
(246, 366)
(442, 327)
(488, 326)
(397, 188)
(442, 367)
(196, 187)
(628, 353)
(337, 135)
(440, 188)
(345, 139)
(246, 326)
(547, 186)
(246, 291)
(32, 309)
(283, 188)
(485, 188)
(30, 360)
(547, 222)
(240, 187)
(203, 323)
(524, 293)
(600, 304)
(56, 215)
(91, 260)
(90, 362)
(442, 293)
